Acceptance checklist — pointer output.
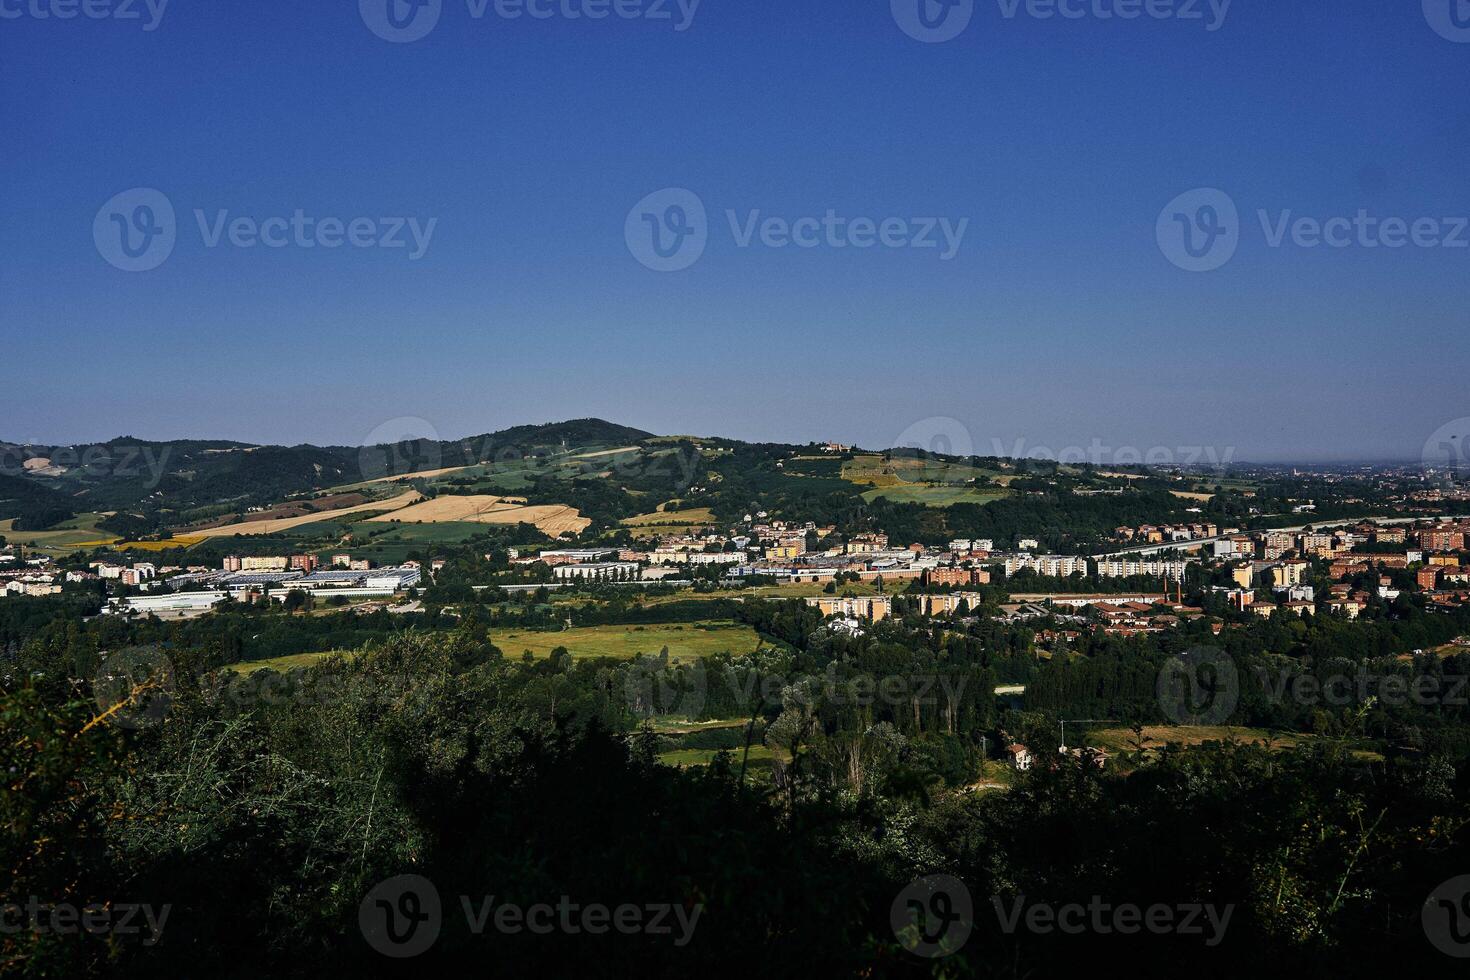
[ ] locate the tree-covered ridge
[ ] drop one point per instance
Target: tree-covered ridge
(262, 816)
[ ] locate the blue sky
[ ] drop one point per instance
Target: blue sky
(1060, 319)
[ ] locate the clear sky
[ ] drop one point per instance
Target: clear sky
(1059, 320)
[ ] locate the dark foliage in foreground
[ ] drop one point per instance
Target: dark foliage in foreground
(262, 824)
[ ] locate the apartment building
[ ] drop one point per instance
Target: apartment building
(862, 544)
(957, 576)
(1173, 570)
(942, 605)
(871, 608)
(1438, 540)
(604, 571)
(1056, 566)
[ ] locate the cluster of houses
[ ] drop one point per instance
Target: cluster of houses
(1269, 568)
(27, 576)
(1270, 573)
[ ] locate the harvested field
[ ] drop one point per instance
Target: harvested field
(421, 475)
(606, 452)
(338, 502)
(672, 518)
(273, 526)
(550, 519)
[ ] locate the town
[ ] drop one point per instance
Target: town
(1262, 573)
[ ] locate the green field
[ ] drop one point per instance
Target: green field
(1157, 736)
(283, 664)
(516, 476)
(935, 496)
(900, 470)
(760, 756)
(671, 518)
(929, 482)
(685, 641)
(402, 537)
(66, 536)
(674, 725)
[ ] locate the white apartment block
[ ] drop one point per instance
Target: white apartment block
(607, 571)
(1159, 568)
(676, 556)
(1057, 566)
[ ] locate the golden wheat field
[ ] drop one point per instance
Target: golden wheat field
(287, 523)
(551, 519)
